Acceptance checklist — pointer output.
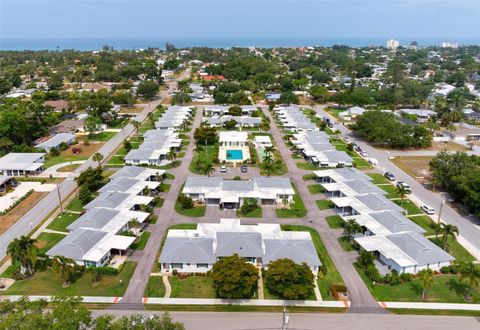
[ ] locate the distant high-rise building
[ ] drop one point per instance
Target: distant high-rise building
(393, 44)
(449, 44)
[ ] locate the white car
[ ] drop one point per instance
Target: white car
(223, 169)
(363, 154)
(373, 161)
(427, 209)
(346, 139)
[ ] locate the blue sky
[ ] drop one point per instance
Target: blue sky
(240, 19)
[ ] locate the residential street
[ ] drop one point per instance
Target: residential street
(311, 321)
(467, 225)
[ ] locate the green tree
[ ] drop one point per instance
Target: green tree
(91, 178)
(23, 251)
(136, 125)
(234, 278)
(289, 280)
(402, 192)
(147, 89)
(92, 125)
(98, 157)
(448, 231)
(65, 268)
(171, 155)
(208, 169)
(351, 228)
(470, 272)
(426, 276)
(55, 82)
(197, 150)
(93, 273)
(84, 194)
(365, 258)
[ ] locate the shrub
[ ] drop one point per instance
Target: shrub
(372, 273)
(406, 277)
(54, 152)
(249, 206)
(185, 202)
(109, 271)
(237, 178)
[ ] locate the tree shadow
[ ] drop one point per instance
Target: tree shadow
(458, 287)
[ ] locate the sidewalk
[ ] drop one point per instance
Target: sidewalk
(425, 305)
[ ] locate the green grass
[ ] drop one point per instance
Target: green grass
(316, 189)
(141, 241)
(48, 240)
(308, 177)
(361, 163)
(208, 155)
(296, 210)
(165, 187)
(391, 190)
(155, 287)
(325, 204)
(197, 211)
(335, 221)
(160, 202)
(331, 274)
(184, 226)
(244, 308)
(169, 176)
(445, 289)
(50, 161)
(307, 166)
(257, 213)
(345, 244)
(409, 206)
(192, 287)
(454, 248)
(425, 222)
(378, 178)
(75, 205)
(63, 221)
(102, 136)
(49, 283)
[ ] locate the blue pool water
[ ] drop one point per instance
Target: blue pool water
(234, 155)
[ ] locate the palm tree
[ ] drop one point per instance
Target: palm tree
(65, 267)
(136, 124)
(209, 169)
(402, 192)
(24, 251)
(426, 276)
(98, 157)
(268, 167)
(267, 158)
(134, 223)
(198, 149)
(269, 150)
(365, 258)
(171, 155)
(351, 228)
(93, 272)
(447, 231)
(470, 272)
(151, 117)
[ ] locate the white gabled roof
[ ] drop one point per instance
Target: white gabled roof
(233, 136)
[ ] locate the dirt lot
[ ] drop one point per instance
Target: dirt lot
(131, 110)
(415, 166)
(450, 145)
(7, 220)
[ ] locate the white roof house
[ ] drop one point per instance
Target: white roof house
(18, 164)
(293, 119)
(233, 137)
(218, 191)
(406, 252)
(341, 174)
(421, 114)
(154, 148)
(138, 173)
(55, 141)
(262, 141)
(197, 250)
(352, 112)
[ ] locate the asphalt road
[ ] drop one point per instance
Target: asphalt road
(468, 225)
(51, 201)
(307, 321)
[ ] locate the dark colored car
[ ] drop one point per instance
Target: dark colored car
(243, 169)
(389, 176)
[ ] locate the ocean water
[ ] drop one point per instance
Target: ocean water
(136, 43)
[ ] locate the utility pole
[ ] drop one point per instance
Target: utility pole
(285, 318)
(59, 198)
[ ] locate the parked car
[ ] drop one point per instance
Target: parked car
(389, 176)
(330, 125)
(405, 186)
(244, 169)
(223, 169)
(427, 209)
(346, 139)
(373, 161)
(363, 154)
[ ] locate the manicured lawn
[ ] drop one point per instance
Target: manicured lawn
(325, 204)
(197, 211)
(208, 155)
(345, 244)
(454, 248)
(409, 206)
(63, 221)
(50, 161)
(330, 275)
(75, 205)
(446, 288)
(391, 190)
(49, 283)
(425, 222)
(141, 241)
(155, 287)
(69, 168)
(257, 213)
(184, 226)
(165, 187)
(308, 177)
(159, 202)
(48, 240)
(335, 221)
(307, 166)
(296, 210)
(361, 163)
(192, 287)
(103, 136)
(169, 176)
(316, 189)
(378, 178)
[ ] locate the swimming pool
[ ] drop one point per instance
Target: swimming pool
(234, 155)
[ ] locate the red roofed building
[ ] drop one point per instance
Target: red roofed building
(212, 77)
